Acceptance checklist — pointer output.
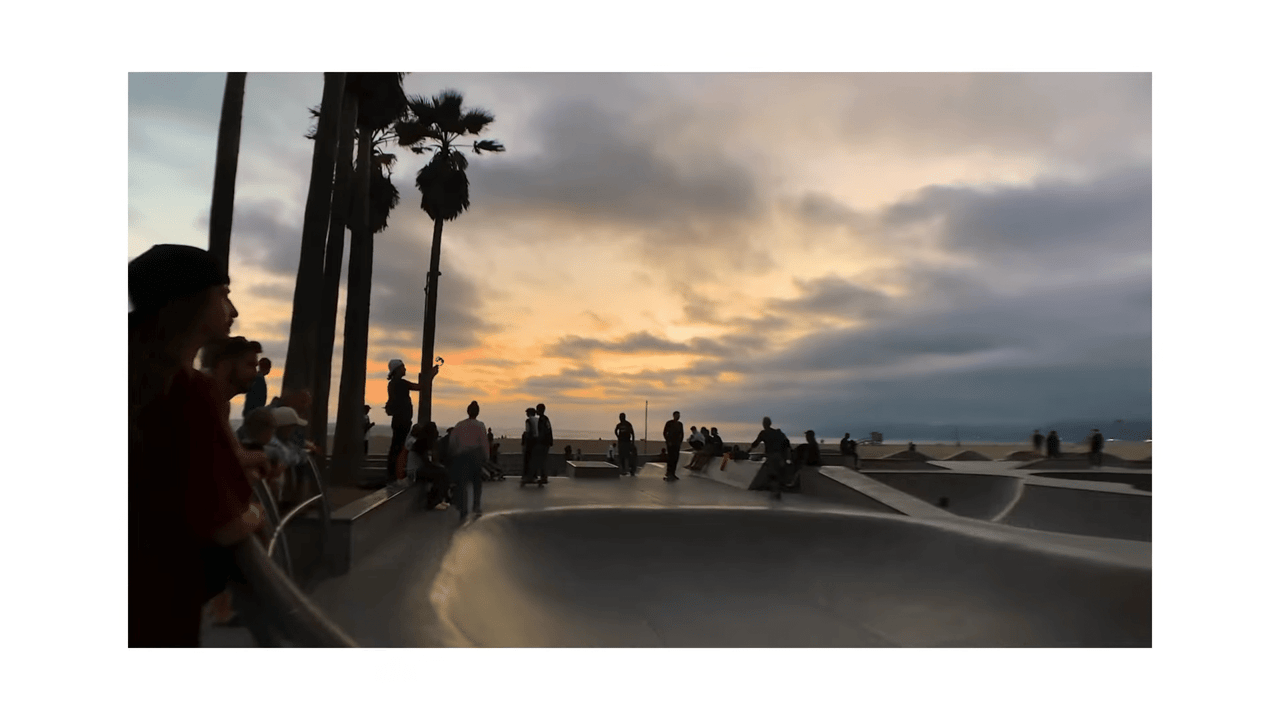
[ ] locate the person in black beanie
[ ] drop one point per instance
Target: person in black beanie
(189, 480)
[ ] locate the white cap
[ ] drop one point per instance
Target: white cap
(287, 416)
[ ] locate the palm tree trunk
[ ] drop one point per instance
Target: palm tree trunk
(333, 275)
(429, 328)
(299, 366)
(348, 445)
(224, 171)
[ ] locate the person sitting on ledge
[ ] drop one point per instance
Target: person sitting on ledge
(809, 453)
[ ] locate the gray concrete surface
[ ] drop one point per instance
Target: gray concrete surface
(643, 562)
(747, 577)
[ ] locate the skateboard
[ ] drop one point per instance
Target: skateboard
(539, 483)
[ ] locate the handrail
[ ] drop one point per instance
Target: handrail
(285, 520)
(286, 607)
(273, 516)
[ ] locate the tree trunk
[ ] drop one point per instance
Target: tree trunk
(348, 435)
(425, 375)
(332, 276)
(299, 368)
(224, 171)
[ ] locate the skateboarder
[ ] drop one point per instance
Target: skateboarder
(1037, 441)
(776, 447)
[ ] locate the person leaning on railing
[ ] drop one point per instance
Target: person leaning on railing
(189, 487)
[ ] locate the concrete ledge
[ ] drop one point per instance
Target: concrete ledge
(589, 469)
(356, 529)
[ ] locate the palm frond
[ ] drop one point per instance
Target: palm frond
(475, 120)
(448, 103)
(383, 196)
(489, 145)
(445, 188)
(410, 133)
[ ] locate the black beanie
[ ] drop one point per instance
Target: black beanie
(165, 273)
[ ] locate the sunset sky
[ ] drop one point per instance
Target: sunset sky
(838, 251)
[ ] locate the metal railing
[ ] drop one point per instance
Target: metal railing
(277, 524)
(285, 611)
(277, 610)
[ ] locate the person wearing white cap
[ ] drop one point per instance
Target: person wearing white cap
(400, 407)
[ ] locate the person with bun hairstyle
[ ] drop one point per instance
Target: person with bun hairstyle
(400, 407)
(189, 480)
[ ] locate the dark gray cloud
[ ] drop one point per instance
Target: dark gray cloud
(833, 296)
(402, 257)
(1106, 215)
(264, 234)
(593, 164)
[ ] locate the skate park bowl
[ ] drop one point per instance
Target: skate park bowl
(981, 497)
(757, 577)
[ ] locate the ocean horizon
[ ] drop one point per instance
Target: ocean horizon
(937, 436)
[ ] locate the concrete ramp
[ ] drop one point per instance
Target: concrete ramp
(740, 577)
(742, 474)
(865, 488)
(1057, 507)
(977, 496)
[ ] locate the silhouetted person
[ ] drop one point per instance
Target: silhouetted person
(568, 453)
(189, 480)
(232, 363)
(256, 396)
(911, 448)
(1037, 441)
(844, 444)
(544, 440)
(809, 453)
(400, 408)
(468, 446)
(776, 447)
(528, 440)
(1053, 444)
(673, 434)
(368, 425)
(626, 444)
(1095, 448)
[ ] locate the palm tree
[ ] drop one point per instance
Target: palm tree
(383, 196)
(380, 101)
(339, 211)
(435, 125)
(224, 171)
(299, 366)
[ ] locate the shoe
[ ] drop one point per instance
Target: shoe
(442, 506)
(477, 513)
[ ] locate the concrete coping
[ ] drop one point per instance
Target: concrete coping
(363, 506)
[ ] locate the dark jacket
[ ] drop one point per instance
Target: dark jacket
(673, 432)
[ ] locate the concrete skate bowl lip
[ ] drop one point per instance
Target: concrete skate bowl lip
(1071, 461)
(1098, 513)
(764, 577)
(971, 495)
(1139, 481)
